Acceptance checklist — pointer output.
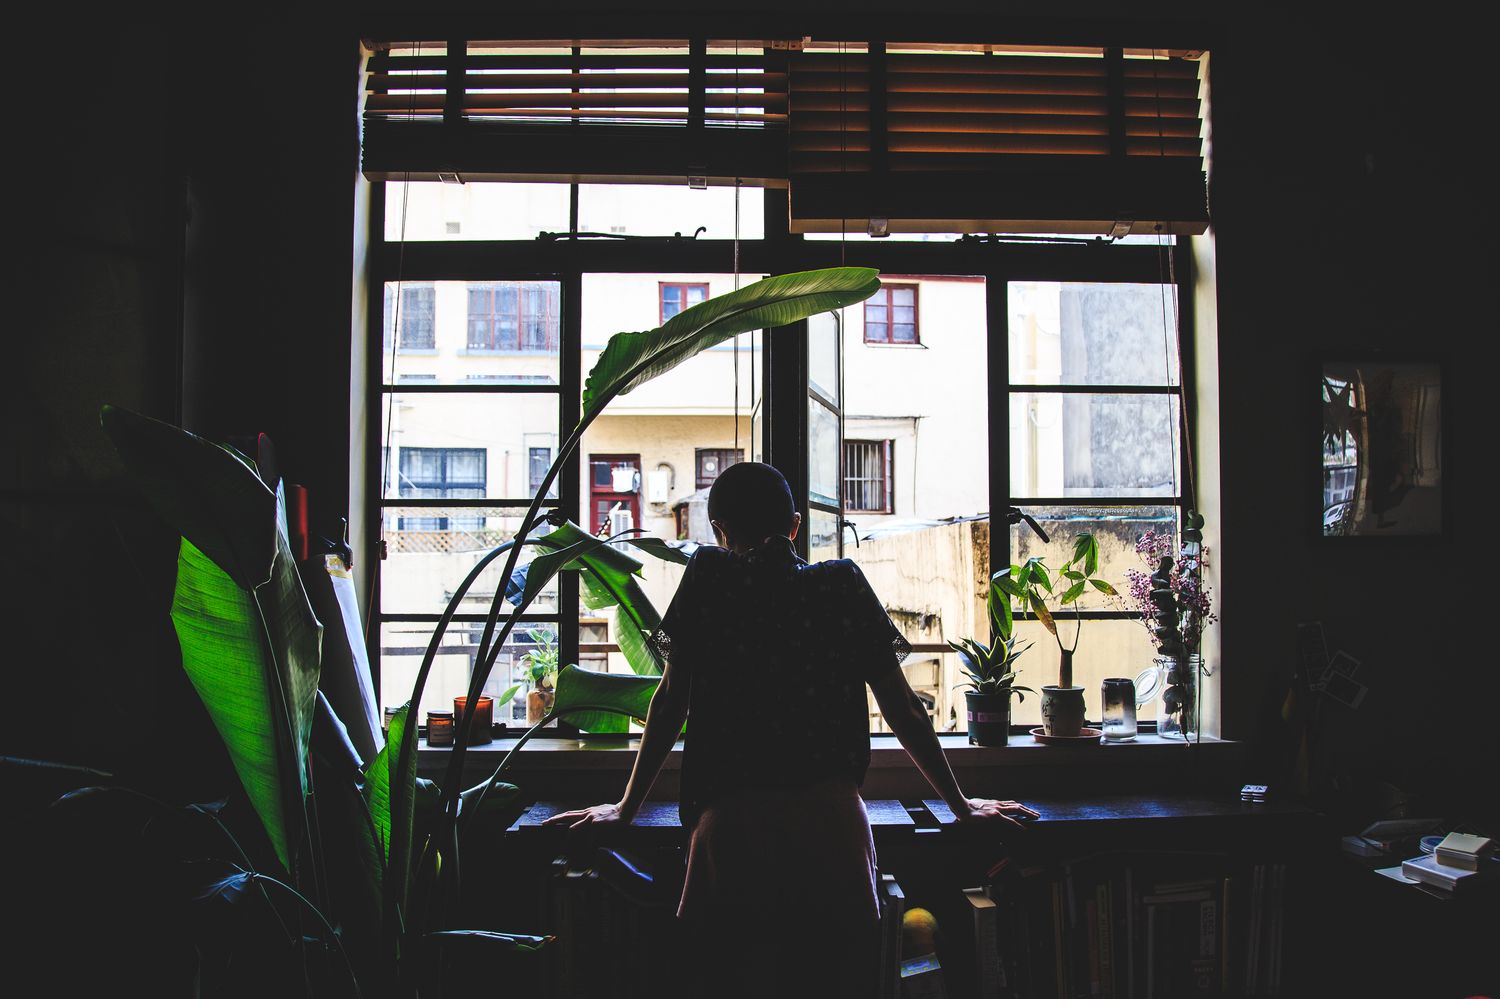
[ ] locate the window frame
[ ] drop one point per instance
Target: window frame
(784, 423)
(887, 289)
(521, 290)
(682, 286)
(887, 453)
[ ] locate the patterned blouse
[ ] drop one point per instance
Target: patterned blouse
(780, 654)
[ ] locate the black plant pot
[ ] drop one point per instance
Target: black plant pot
(989, 718)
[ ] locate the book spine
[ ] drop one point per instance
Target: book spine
(1091, 916)
(986, 949)
(1059, 941)
(1106, 942)
(1132, 945)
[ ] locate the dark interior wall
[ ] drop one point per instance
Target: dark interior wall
(1351, 221)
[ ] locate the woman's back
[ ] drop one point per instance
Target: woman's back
(780, 652)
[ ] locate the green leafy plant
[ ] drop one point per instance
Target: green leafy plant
(381, 899)
(1030, 585)
(541, 662)
(990, 668)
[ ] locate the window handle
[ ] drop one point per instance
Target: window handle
(850, 524)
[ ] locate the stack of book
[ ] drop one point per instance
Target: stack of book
(1460, 861)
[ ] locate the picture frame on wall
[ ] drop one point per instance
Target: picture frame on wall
(1381, 444)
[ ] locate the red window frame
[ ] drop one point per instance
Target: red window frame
(682, 288)
(884, 329)
(600, 493)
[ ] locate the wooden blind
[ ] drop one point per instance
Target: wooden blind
(571, 98)
(979, 115)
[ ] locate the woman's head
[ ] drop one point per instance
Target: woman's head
(749, 502)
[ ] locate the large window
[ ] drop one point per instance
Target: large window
(1045, 377)
(1095, 404)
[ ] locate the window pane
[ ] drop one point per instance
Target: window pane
(473, 210)
(431, 550)
(660, 426)
(664, 209)
(1092, 334)
(1082, 445)
(1115, 528)
(471, 441)
(823, 453)
(456, 332)
(1107, 648)
(404, 643)
(823, 354)
(822, 536)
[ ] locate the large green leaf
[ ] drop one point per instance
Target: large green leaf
(253, 659)
(602, 702)
(631, 359)
(392, 801)
(629, 636)
(207, 494)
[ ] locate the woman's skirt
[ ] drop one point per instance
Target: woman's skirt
(786, 854)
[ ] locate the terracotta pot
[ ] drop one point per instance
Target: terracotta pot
(1062, 710)
(538, 703)
(989, 718)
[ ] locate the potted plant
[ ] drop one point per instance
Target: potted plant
(541, 667)
(991, 672)
(1175, 606)
(1031, 586)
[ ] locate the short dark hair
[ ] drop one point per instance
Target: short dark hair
(751, 501)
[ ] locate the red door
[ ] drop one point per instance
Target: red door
(603, 497)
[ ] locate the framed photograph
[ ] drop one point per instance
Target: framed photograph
(1382, 447)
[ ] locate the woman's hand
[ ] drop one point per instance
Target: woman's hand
(594, 819)
(991, 810)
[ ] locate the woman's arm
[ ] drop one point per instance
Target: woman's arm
(664, 718)
(909, 722)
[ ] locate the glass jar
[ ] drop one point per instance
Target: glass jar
(439, 728)
(1176, 686)
(1118, 699)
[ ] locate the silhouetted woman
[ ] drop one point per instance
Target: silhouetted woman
(769, 657)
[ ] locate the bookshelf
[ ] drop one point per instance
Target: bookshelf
(1126, 896)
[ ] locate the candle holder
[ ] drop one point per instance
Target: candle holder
(1118, 698)
(483, 720)
(440, 728)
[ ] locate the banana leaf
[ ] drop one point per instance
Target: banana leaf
(206, 492)
(393, 825)
(632, 359)
(590, 699)
(259, 696)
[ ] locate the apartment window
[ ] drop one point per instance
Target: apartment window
(538, 460)
(418, 306)
(712, 461)
(867, 477)
(513, 316)
(441, 473)
(676, 296)
(891, 315)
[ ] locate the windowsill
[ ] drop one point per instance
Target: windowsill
(416, 351)
(499, 352)
(899, 346)
(618, 752)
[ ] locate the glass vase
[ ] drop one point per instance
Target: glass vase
(1177, 708)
